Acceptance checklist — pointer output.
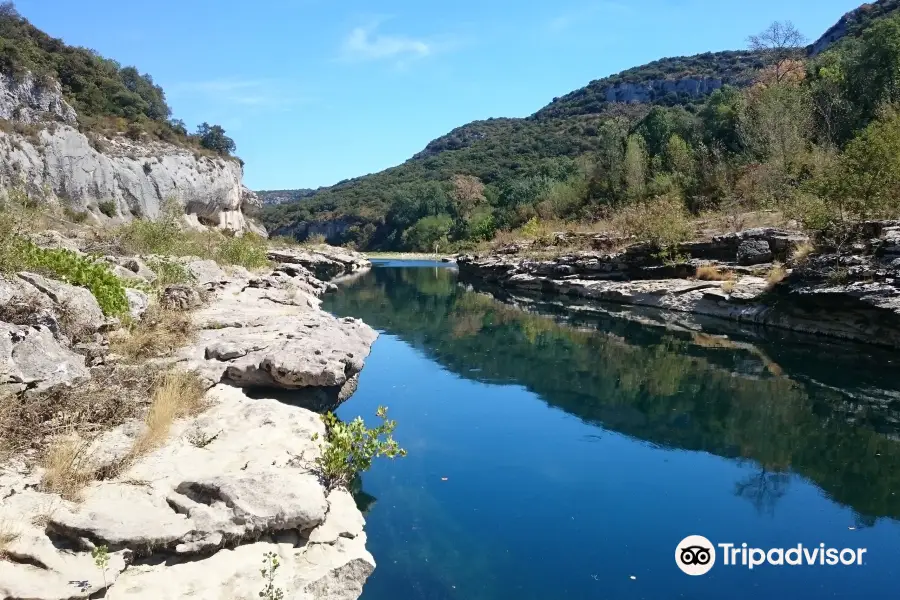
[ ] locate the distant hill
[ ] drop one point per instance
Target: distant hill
(503, 151)
(275, 197)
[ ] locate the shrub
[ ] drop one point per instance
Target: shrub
(317, 239)
(248, 250)
(75, 216)
(662, 221)
(20, 254)
(169, 272)
(351, 447)
(108, 208)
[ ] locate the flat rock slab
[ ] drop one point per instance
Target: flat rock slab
(195, 519)
(268, 332)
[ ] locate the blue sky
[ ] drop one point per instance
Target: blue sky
(315, 91)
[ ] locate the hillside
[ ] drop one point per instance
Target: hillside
(570, 159)
(80, 131)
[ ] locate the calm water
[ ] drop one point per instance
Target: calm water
(552, 457)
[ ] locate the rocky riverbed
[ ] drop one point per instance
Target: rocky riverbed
(765, 276)
(195, 516)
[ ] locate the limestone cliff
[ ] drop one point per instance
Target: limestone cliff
(648, 91)
(42, 150)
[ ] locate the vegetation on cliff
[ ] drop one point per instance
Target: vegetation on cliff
(808, 136)
(108, 97)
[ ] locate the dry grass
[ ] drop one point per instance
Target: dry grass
(775, 276)
(801, 253)
(111, 397)
(8, 535)
(159, 333)
(67, 467)
(713, 273)
(179, 394)
(728, 286)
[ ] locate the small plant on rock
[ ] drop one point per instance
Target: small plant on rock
(100, 554)
(270, 567)
(351, 447)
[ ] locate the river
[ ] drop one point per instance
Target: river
(561, 456)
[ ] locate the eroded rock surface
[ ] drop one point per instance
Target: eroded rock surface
(852, 295)
(195, 519)
(267, 331)
(138, 177)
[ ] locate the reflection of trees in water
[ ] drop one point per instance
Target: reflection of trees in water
(763, 490)
(675, 390)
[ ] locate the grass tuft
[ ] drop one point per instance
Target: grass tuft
(67, 467)
(801, 253)
(8, 535)
(713, 273)
(775, 276)
(178, 394)
(159, 333)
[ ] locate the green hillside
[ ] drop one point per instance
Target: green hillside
(108, 97)
(732, 131)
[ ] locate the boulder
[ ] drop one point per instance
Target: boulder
(32, 358)
(138, 302)
(76, 305)
(180, 297)
(325, 262)
(754, 252)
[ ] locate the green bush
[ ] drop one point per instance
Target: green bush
(169, 272)
(352, 446)
(21, 254)
(108, 208)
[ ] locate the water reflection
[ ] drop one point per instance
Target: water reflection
(784, 403)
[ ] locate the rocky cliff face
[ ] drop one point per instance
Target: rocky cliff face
(649, 91)
(41, 149)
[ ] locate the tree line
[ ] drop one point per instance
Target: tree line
(816, 138)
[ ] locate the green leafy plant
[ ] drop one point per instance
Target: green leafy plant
(108, 208)
(270, 567)
(351, 447)
(18, 253)
(169, 272)
(100, 554)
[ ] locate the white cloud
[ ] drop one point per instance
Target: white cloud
(366, 44)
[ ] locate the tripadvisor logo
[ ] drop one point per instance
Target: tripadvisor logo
(696, 555)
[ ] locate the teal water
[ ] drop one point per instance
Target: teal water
(553, 456)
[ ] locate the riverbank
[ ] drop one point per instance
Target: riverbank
(164, 474)
(409, 256)
(766, 277)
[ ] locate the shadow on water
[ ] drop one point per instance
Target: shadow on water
(790, 404)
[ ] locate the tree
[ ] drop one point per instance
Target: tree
(872, 69)
(467, 193)
(635, 166)
(427, 232)
(867, 182)
(720, 118)
(212, 137)
(782, 44)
